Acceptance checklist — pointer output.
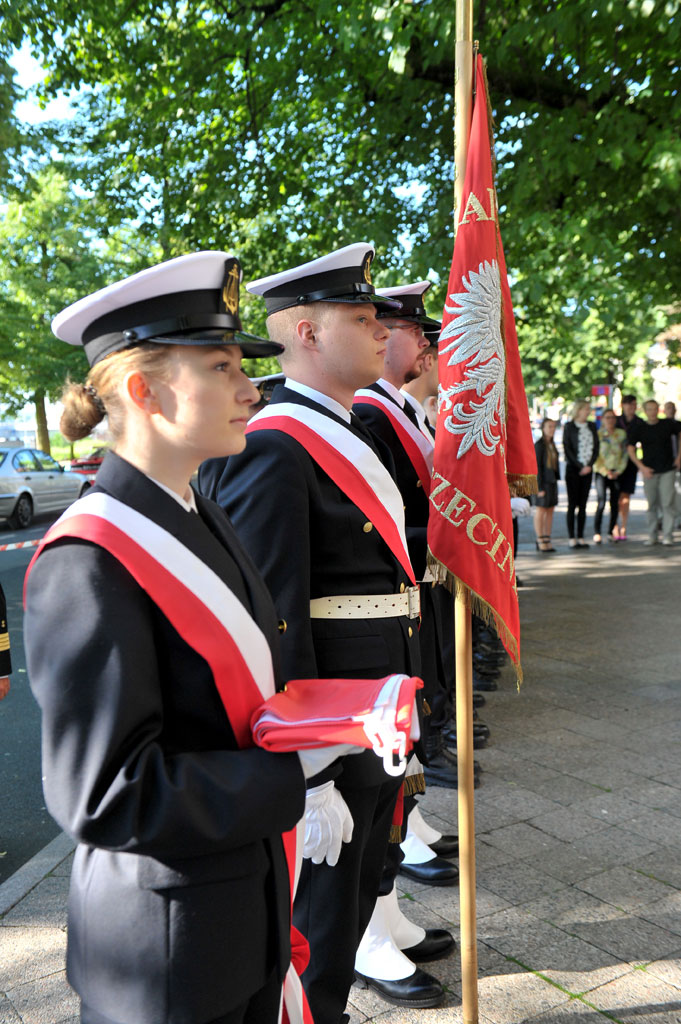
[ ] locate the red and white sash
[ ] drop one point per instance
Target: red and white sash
(211, 619)
(350, 463)
(418, 446)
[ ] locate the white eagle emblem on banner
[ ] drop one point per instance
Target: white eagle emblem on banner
(475, 330)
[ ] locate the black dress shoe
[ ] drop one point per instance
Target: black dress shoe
(439, 769)
(478, 700)
(440, 773)
(418, 990)
(486, 666)
(438, 942)
(482, 683)
(486, 673)
(480, 738)
(446, 846)
(434, 872)
(450, 755)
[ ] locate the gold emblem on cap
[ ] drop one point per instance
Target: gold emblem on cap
(230, 293)
(367, 267)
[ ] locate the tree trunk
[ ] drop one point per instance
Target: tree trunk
(41, 422)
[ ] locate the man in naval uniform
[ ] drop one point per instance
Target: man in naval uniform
(314, 501)
(390, 416)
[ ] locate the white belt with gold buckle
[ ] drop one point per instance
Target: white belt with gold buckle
(367, 606)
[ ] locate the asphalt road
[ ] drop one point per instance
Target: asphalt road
(25, 825)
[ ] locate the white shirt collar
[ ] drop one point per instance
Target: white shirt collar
(318, 396)
(188, 503)
(417, 407)
(392, 391)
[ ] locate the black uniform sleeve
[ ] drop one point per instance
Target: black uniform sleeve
(397, 463)
(5, 659)
(113, 776)
(266, 493)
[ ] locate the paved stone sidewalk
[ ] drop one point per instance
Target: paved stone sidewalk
(578, 817)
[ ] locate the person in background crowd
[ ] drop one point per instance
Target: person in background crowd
(657, 466)
(670, 413)
(548, 475)
(627, 480)
(5, 659)
(580, 443)
(608, 468)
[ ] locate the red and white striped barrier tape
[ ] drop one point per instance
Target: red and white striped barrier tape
(21, 544)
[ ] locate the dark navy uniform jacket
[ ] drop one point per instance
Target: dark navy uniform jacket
(179, 903)
(309, 540)
(436, 605)
(416, 504)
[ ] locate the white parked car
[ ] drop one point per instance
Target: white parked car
(32, 482)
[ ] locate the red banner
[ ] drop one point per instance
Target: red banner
(483, 440)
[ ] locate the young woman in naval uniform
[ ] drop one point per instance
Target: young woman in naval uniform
(150, 636)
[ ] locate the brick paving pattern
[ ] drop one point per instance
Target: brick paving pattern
(578, 818)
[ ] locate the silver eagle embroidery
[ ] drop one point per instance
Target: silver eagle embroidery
(475, 330)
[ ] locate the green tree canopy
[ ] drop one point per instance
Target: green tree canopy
(50, 255)
(279, 128)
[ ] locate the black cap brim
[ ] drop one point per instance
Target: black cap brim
(426, 322)
(252, 347)
(384, 307)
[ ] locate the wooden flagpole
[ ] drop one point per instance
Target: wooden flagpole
(462, 616)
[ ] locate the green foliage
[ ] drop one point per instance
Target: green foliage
(280, 129)
(50, 255)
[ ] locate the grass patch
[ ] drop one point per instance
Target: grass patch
(662, 881)
(579, 996)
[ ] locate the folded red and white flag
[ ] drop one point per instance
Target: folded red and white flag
(379, 714)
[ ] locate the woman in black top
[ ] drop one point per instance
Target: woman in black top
(548, 475)
(580, 443)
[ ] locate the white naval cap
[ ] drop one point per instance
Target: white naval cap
(411, 297)
(341, 276)
(190, 300)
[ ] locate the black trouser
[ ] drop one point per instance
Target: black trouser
(333, 906)
(394, 856)
(603, 487)
(578, 488)
(261, 1008)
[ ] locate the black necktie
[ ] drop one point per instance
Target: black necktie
(410, 412)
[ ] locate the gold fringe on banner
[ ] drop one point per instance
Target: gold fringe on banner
(522, 486)
(479, 607)
(414, 784)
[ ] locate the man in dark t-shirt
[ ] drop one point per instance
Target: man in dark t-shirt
(657, 466)
(627, 479)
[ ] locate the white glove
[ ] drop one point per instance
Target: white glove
(520, 507)
(316, 759)
(328, 824)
